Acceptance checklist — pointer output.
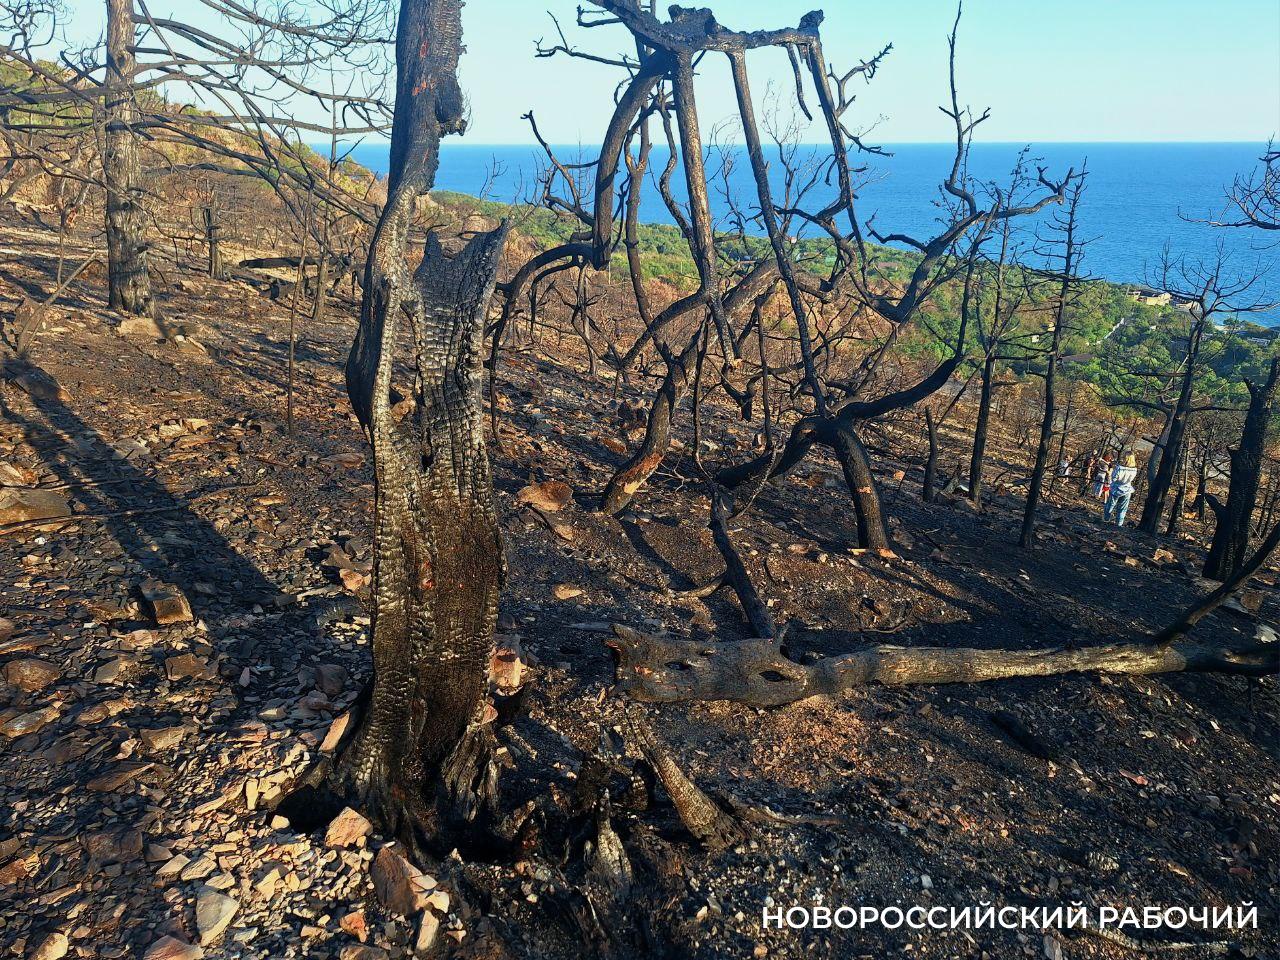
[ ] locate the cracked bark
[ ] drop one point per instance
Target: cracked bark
(128, 283)
(420, 757)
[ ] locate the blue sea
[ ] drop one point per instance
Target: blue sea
(1140, 196)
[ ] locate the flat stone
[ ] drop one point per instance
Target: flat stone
(103, 847)
(171, 948)
(331, 679)
(17, 506)
(333, 736)
(174, 866)
(121, 776)
(111, 671)
(31, 673)
(186, 665)
(428, 929)
(549, 496)
(162, 738)
(214, 911)
(139, 326)
(26, 723)
(166, 602)
(97, 712)
(200, 868)
(52, 947)
(347, 829)
(360, 951)
(401, 887)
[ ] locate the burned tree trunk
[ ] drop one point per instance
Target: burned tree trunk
(931, 464)
(1066, 280)
(1179, 500)
(978, 460)
(129, 285)
(1162, 479)
(1202, 485)
(868, 509)
(212, 238)
(657, 435)
(1235, 517)
(421, 753)
(1036, 485)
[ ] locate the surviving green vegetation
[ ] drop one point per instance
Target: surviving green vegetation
(1116, 343)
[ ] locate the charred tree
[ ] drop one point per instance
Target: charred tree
(981, 429)
(994, 332)
(927, 491)
(657, 436)
(420, 755)
(1067, 281)
(1235, 517)
(129, 285)
(1180, 498)
(212, 239)
(1207, 288)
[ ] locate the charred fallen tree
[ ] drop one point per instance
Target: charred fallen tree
(662, 669)
(757, 672)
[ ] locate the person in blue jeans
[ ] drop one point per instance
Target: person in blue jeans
(1122, 477)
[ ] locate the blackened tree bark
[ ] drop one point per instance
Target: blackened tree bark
(1067, 281)
(657, 435)
(981, 428)
(1235, 518)
(1064, 435)
(1180, 498)
(1175, 435)
(212, 235)
(421, 753)
(129, 285)
(931, 464)
(1207, 288)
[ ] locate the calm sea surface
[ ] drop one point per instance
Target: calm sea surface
(1140, 196)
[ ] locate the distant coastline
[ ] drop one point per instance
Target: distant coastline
(1140, 195)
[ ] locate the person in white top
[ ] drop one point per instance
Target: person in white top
(1122, 477)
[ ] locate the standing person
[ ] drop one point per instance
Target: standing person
(1122, 478)
(1064, 468)
(1086, 474)
(1101, 474)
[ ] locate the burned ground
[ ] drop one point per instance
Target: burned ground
(141, 765)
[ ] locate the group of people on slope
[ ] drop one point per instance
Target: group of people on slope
(1112, 483)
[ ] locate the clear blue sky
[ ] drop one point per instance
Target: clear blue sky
(1083, 70)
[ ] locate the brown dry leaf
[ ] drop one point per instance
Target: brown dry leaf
(348, 461)
(550, 495)
(508, 667)
(353, 580)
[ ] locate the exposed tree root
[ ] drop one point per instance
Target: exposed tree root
(705, 818)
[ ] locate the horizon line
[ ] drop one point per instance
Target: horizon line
(453, 142)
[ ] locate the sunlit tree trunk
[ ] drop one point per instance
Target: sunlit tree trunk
(129, 286)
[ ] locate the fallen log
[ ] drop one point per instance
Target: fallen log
(664, 669)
